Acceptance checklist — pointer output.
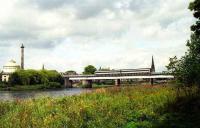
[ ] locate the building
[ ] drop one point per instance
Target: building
(128, 72)
(12, 66)
(8, 69)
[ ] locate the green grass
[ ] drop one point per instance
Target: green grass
(126, 107)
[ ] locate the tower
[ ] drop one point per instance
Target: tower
(152, 65)
(22, 56)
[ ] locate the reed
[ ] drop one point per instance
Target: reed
(128, 107)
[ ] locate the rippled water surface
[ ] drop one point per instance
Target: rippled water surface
(12, 95)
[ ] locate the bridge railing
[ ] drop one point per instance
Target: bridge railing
(110, 75)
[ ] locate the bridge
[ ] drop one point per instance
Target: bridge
(147, 74)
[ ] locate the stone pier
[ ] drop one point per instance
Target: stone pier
(117, 82)
(87, 83)
(68, 83)
(152, 81)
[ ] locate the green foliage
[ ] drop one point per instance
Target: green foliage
(129, 107)
(51, 85)
(195, 7)
(187, 68)
(2, 84)
(34, 77)
(90, 69)
(173, 65)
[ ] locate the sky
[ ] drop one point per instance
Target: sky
(71, 34)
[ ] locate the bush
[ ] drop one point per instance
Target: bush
(2, 84)
(52, 85)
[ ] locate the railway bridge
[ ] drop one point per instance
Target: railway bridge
(147, 74)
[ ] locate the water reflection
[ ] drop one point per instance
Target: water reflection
(12, 95)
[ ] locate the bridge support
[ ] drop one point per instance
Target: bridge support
(87, 83)
(117, 82)
(68, 83)
(152, 81)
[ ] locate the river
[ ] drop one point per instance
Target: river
(13, 95)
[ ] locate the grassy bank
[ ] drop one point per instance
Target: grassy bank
(22, 88)
(128, 107)
(52, 85)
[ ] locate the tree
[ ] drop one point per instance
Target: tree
(191, 61)
(195, 7)
(187, 69)
(172, 66)
(90, 69)
(33, 77)
(194, 43)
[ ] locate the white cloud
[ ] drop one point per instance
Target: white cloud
(70, 34)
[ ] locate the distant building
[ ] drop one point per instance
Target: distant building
(127, 72)
(71, 72)
(11, 67)
(8, 69)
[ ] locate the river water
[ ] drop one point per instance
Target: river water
(13, 95)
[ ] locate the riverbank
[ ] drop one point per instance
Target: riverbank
(22, 88)
(41, 87)
(128, 107)
(37, 87)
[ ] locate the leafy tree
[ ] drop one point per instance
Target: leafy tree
(195, 7)
(52, 76)
(191, 61)
(172, 66)
(33, 77)
(90, 69)
(187, 69)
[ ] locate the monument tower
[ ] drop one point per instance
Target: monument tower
(22, 56)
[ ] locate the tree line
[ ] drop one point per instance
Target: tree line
(34, 77)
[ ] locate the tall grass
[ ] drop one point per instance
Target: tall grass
(129, 107)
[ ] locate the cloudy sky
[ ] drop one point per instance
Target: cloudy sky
(70, 34)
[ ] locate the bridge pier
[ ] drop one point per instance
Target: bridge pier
(87, 83)
(68, 83)
(152, 81)
(117, 82)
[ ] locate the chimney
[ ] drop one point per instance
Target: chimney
(22, 56)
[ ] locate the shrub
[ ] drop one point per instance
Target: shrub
(53, 85)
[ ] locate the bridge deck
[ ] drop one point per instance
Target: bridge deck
(91, 77)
